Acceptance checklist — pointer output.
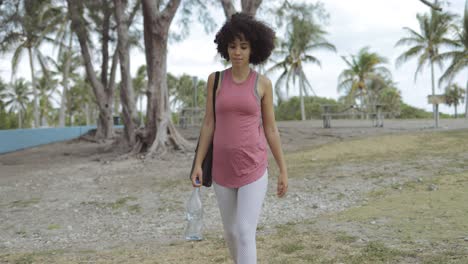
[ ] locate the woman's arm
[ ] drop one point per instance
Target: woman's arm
(272, 134)
(206, 134)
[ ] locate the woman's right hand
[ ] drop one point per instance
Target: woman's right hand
(197, 177)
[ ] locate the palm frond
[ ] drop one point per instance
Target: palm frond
(422, 60)
(278, 66)
(383, 71)
(413, 34)
(345, 85)
(456, 67)
(409, 41)
(347, 61)
(321, 46)
(312, 59)
(279, 83)
(17, 57)
(306, 82)
(10, 40)
(409, 54)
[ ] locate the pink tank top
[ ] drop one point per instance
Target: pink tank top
(239, 144)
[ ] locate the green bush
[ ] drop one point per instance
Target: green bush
(175, 117)
(410, 112)
(291, 109)
(8, 120)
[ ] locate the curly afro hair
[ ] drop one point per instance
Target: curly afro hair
(241, 25)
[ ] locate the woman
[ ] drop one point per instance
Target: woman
(245, 122)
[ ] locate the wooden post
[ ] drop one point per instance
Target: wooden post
(380, 117)
(326, 116)
(436, 100)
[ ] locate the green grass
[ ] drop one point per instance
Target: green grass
(388, 148)
(53, 227)
(24, 203)
(412, 223)
(344, 238)
(417, 213)
(27, 259)
(291, 247)
(119, 204)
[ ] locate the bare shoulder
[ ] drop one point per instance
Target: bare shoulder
(264, 84)
(211, 78)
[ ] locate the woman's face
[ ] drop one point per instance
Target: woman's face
(239, 52)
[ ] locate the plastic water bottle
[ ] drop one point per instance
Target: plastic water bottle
(194, 214)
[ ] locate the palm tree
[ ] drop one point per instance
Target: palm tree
(303, 36)
(363, 68)
(181, 91)
(454, 95)
(459, 56)
(46, 87)
(67, 58)
(80, 99)
(25, 28)
(3, 89)
(390, 98)
(425, 45)
(5, 118)
(65, 70)
(376, 88)
(17, 99)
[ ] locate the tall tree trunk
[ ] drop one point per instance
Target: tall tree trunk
(44, 122)
(141, 111)
(250, 6)
(436, 118)
(116, 102)
(34, 88)
(66, 70)
(126, 89)
(20, 119)
(456, 114)
(361, 99)
(160, 132)
(466, 95)
(103, 94)
(87, 114)
(301, 91)
(105, 42)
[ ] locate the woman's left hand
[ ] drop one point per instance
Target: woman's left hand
(282, 184)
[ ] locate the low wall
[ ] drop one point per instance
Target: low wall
(16, 139)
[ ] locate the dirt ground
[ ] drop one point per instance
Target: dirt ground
(78, 198)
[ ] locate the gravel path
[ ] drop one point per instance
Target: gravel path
(78, 195)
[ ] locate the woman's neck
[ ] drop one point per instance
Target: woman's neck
(240, 73)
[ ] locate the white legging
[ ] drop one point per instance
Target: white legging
(240, 209)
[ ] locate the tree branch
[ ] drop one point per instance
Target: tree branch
(133, 13)
(80, 31)
(250, 6)
(115, 61)
(171, 8)
(228, 8)
(431, 5)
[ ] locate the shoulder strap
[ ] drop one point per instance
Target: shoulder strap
(215, 87)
